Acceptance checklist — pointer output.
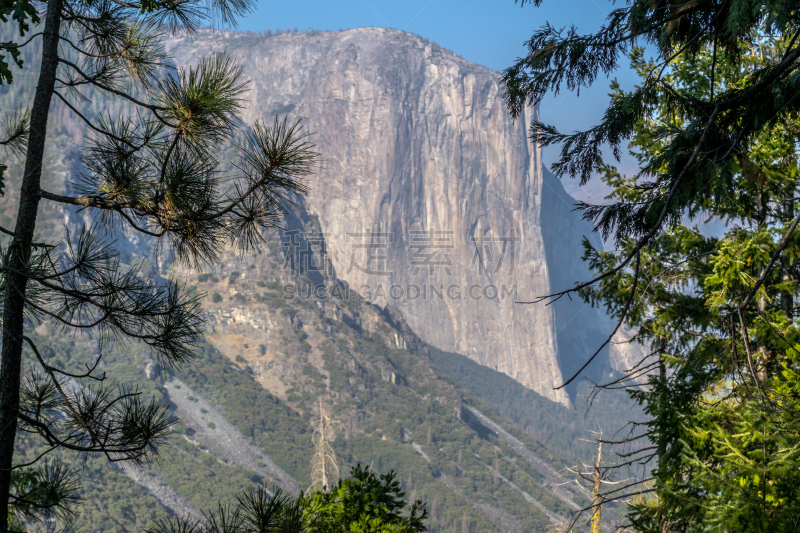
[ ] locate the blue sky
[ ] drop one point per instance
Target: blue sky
(488, 32)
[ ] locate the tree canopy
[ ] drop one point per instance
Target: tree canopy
(714, 126)
(696, 163)
(365, 502)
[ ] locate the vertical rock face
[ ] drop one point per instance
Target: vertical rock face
(430, 198)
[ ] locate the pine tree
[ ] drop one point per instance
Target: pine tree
(154, 172)
(362, 503)
(694, 164)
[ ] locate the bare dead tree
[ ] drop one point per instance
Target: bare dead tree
(324, 470)
(598, 478)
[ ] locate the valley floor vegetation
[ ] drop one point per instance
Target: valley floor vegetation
(362, 503)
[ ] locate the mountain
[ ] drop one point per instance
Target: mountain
(430, 198)
(415, 145)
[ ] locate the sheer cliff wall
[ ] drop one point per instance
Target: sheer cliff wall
(431, 199)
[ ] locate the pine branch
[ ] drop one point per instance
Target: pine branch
(619, 323)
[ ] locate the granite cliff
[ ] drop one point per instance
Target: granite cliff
(430, 198)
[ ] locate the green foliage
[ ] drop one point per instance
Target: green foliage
(549, 423)
(23, 13)
(273, 426)
(50, 485)
(714, 125)
(13, 133)
(720, 313)
(109, 500)
(719, 120)
(365, 503)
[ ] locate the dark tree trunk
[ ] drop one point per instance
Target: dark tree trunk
(20, 248)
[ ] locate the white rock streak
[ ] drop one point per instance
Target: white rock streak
(221, 437)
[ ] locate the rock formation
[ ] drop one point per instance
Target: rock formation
(431, 199)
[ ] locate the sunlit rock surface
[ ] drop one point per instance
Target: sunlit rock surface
(431, 199)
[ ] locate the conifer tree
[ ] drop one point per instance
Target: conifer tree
(154, 172)
(362, 503)
(696, 163)
(714, 124)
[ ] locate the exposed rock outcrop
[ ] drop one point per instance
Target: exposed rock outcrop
(431, 199)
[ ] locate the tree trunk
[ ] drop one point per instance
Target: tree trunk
(661, 345)
(762, 359)
(597, 488)
(20, 248)
(787, 300)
